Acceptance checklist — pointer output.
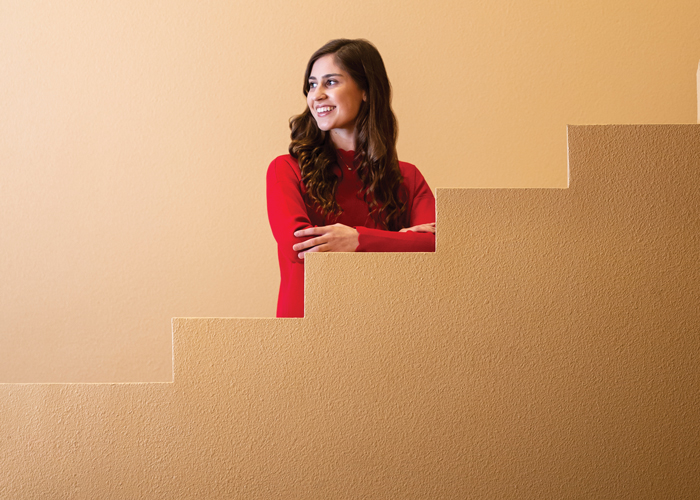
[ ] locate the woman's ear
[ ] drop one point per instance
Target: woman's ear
(364, 96)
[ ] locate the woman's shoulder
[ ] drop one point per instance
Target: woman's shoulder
(414, 182)
(410, 172)
(285, 160)
(284, 166)
(407, 168)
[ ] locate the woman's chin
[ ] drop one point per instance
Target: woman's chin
(323, 126)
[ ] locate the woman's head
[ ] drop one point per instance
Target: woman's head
(349, 96)
(363, 85)
(334, 100)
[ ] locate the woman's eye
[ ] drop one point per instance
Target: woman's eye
(331, 82)
(312, 85)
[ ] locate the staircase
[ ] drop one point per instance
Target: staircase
(548, 349)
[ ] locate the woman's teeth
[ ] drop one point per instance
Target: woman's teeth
(325, 109)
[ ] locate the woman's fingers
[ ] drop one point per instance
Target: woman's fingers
(317, 248)
(421, 228)
(311, 231)
(308, 244)
(334, 238)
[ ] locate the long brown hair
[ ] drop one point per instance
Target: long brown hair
(375, 144)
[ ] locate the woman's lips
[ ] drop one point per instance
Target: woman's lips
(324, 110)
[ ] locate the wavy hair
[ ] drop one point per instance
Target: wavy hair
(375, 144)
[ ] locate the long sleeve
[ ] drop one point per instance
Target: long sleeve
(287, 213)
(286, 209)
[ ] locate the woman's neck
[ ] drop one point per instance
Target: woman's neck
(343, 139)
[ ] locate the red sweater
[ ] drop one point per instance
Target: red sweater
(288, 213)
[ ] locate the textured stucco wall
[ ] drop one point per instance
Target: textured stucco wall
(134, 138)
(548, 349)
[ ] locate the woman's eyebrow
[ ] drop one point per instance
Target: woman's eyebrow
(326, 76)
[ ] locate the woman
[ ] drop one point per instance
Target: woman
(341, 188)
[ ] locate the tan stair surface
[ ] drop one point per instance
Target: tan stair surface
(548, 349)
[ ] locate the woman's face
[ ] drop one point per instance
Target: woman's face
(334, 98)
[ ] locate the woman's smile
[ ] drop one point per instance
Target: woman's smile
(324, 110)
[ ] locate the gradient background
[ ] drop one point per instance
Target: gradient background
(134, 140)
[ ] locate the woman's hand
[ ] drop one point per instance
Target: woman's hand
(420, 228)
(335, 238)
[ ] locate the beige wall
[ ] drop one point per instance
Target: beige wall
(135, 136)
(548, 349)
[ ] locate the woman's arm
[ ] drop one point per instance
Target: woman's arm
(411, 240)
(286, 209)
(292, 227)
(342, 238)
(419, 237)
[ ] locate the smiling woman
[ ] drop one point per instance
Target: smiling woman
(342, 188)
